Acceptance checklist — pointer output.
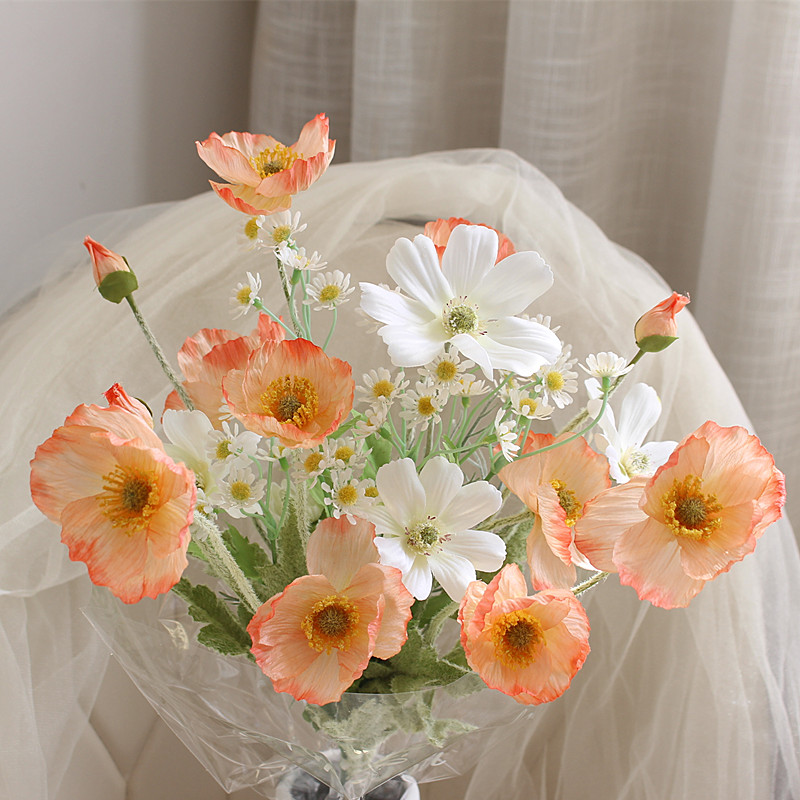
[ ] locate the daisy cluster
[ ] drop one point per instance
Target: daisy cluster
(457, 487)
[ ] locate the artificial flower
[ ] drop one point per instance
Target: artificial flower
(699, 514)
(344, 452)
(188, 433)
(123, 504)
(555, 485)
(439, 230)
(347, 496)
(279, 228)
(262, 173)
(507, 436)
(317, 636)
(657, 329)
(529, 405)
(233, 446)
(422, 405)
(291, 390)
(245, 295)
(239, 491)
(627, 455)
(209, 355)
(329, 290)
(380, 387)
(528, 647)
(558, 381)
(426, 525)
(295, 258)
(468, 301)
(606, 365)
(446, 371)
(111, 272)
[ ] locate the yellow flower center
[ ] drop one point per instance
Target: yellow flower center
(281, 233)
(273, 159)
(347, 495)
(240, 491)
(371, 491)
(382, 388)
(243, 295)
(344, 453)
(446, 371)
(329, 293)
(516, 636)
(251, 228)
(528, 405)
(311, 464)
(423, 537)
(568, 501)
(460, 319)
(331, 623)
(688, 511)
(554, 381)
(290, 399)
(425, 406)
(223, 449)
(130, 497)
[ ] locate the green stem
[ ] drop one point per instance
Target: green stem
(598, 577)
(159, 353)
(333, 327)
(223, 563)
(261, 307)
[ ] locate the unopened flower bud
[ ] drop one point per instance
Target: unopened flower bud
(113, 276)
(657, 329)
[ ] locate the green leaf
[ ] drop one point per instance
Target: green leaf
(249, 556)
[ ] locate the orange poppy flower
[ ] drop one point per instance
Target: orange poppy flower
(124, 506)
(528, 647)
(317, 636)
(439, 231)
(209, 355)
(292, 391)
(262, 173)
(555, 486)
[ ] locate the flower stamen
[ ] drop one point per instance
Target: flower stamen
(274, 159)
(567, 500)
(516, 637)
(688, 511)
(129, 498)
(331, 623)
(290, 399)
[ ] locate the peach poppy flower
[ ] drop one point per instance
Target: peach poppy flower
(699, 514)
(262, 173)
(555, 486)
(528, 647)
(292, 391)
(124, 506)
(317, 636)
(657, 329)
(439, 231)
(207, 357)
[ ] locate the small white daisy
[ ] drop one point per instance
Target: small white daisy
(309, 464)
(445, 370)
(280, 228)
(346, 452)
(606, 365)
(529, 405)
(250, 237)
(347, 496)
(231, 445)
(374, 418)
(507, 436)
(239, 492)
(559, 382)
(245, 295)
(380, 387)
(292, 258)
(422, 405)
(329, 290)
(469, 386)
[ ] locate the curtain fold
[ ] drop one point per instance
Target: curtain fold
(674, 125)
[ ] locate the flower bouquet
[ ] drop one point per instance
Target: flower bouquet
(361, 578)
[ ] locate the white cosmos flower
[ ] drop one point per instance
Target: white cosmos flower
(627, 456)
(188, 433)
(425, 525)
(468, 301)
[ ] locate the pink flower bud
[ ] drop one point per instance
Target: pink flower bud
(113, 276)
(657, 329)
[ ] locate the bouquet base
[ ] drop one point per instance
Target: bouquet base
(299, 785)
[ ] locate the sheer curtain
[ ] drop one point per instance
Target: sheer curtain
(674, 125)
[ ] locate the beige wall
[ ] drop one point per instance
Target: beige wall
(100, 105)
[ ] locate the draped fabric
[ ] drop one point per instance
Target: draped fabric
(698, 702)
(674, 125)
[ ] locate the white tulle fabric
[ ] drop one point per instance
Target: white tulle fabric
(702, 702)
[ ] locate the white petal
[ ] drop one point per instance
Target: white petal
(519, 345)
(658, 453)
(470, 254)
(414, 267)
(441, 481)
(640, 410)
(413, 346)
(512, 285)
(418, 579)
(391, 553)
(383, 521)
(401, 492)
(485, 550)
(473, 504)
(453, 572)
(392, 308)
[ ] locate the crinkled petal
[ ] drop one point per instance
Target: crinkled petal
(338, 549)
